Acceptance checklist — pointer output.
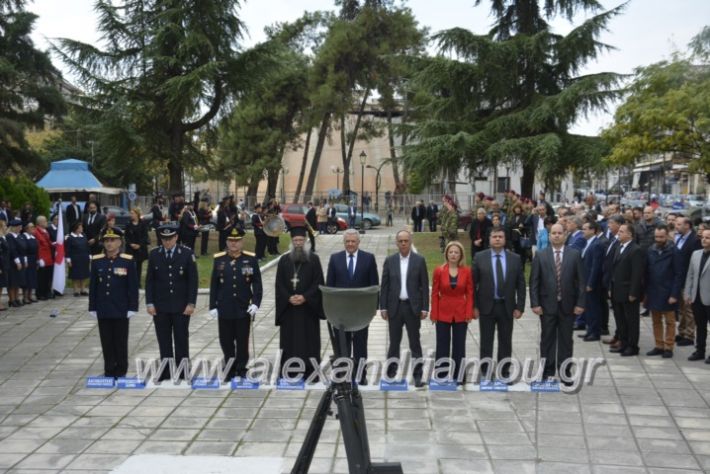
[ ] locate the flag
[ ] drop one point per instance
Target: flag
(59, 278)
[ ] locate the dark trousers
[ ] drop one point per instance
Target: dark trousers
(260, 248)
(404, 317)
(418, 224)
(628, 321)
(592, 313)
(355, 347)
(451, 343)
(312, 238)
(701, 313)
(234, 341)
(432, 225)
(139, 270)
(188, 240)
(556, 340)
(204, 242)
(222, 244)
(272, 245)
(604, 315)
(488, 323)
(169, 327)
(114, 344)
(44, 281)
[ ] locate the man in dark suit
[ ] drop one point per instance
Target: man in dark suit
(94, 221)
(171, 294)
(499, 287)
(73, 213)
(418, 214)
(432, 214)
(575, 238)
(404, 300)
(613, 224)
(592, 257)
(557, 293)
(687, 242)
(478, 231)
(313, 222)
(626, 290)
(353, 268)
(352, 215)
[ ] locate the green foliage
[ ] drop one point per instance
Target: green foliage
(511, 95)
(165, 72)
(20, 190)
(667, 110)
(28, 87)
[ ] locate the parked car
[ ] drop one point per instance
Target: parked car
(371, 220)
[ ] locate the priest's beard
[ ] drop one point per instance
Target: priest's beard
(299, 254)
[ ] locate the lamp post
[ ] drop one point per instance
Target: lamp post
(363, 159)
(378, 182)
(284, 172)
(338, 171)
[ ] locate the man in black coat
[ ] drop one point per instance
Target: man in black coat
(687, 242)
(626, 290)
(313, 223)
(499, 298)
(171, 295)
(432, 214)
(613, 224)
(557, 294)
(418, 215)
(73, 213)
(94, 221)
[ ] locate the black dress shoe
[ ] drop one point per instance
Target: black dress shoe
(617, 349)
(591, 338)
(655, 352)
(582, 336)
(84, 293)
(667, 354)
(696, 356)
(628, 352)
(684, 341)
(579, 327)
(645, 313)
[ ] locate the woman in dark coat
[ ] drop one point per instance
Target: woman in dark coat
(31, 272)
(18, 262)
(517, 230)
(76, 248)
(4, 260)
(137, 240)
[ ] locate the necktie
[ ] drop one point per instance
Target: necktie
(499, 276)
(170, 254)
(558, 271)
(91, 219)
(351, 266)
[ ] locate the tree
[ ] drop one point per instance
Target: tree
(667, 110)
(28, 87)
(359, 49)
(511, 95)
(167, 68)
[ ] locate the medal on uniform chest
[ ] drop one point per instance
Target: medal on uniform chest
(247, 272)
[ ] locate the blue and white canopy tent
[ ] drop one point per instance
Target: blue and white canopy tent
(73, 176)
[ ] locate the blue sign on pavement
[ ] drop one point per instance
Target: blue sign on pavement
(100, 382)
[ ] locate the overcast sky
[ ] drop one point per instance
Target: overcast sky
(648, 31)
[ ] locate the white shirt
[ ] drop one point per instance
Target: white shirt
(562, 253)
(540, 223)
(623, 247)
(347, 259)
(403, 268)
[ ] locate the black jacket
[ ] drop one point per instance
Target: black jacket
(171, 285)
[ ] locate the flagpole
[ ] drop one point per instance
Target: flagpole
(59, 276)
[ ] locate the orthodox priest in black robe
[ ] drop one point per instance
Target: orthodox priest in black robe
(299, 308)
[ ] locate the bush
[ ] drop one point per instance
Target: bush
(20, 190)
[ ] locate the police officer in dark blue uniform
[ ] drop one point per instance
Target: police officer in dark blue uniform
(171, 294)
(235, 296)
(113, 299)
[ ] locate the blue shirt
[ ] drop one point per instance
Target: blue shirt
(494, 258)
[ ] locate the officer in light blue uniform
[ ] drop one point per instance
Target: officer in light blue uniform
(235, 296)
(113, 299)
(171, 295)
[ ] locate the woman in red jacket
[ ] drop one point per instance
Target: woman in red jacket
(452, 309)
(45, 262)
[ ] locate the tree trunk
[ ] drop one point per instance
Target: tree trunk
(351, 146)
(322, 133)
(393, 151)
(527, 181)
(344, 157)
(271, 182)
(175, 168)
(304, 163)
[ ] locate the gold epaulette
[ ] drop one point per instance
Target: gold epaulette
(220, 254)
(98, 256)
(127, 256)
(250, 254)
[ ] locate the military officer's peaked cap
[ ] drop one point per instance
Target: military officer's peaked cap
(167, 230)
(112, 233)
(235, 234)
(14, 222)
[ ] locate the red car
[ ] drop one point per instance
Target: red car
(295, 215)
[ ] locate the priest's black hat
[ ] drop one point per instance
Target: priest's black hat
(298, 231)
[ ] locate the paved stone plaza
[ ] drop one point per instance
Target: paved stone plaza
(641, 415)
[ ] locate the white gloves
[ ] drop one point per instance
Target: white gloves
(214, 313)
(129, 314)
(40, 262)
(252, 309)
(92, 314)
